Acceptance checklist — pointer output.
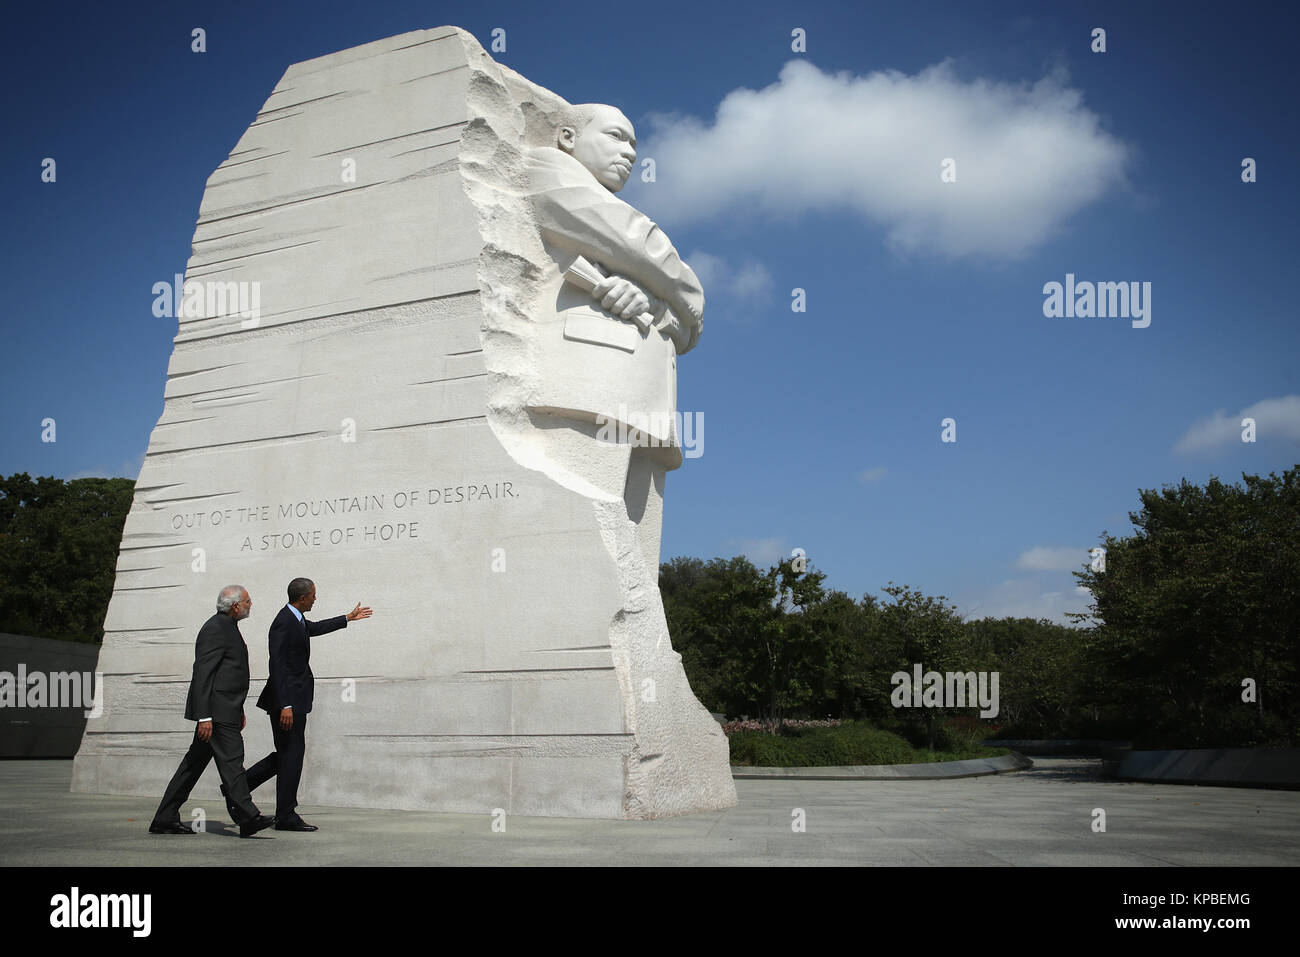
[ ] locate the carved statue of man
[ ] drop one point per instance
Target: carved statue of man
(616, 311)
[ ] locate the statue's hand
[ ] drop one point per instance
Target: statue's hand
(620, 296)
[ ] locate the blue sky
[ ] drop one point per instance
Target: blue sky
(822, 428)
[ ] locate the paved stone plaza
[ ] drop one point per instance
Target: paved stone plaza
(1037, 817)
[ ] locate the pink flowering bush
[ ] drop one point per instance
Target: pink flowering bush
(774, 727)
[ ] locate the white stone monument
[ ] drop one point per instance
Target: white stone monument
(395, 375)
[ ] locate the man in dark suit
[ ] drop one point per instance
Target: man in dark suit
(218, 688)
(287, 698)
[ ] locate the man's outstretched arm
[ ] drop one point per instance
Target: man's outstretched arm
(324, 627)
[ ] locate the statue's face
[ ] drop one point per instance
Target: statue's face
(606, 146)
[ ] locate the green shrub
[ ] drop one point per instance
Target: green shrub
(961, 734)
(852, 743)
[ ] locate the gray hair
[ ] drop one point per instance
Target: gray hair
(229, 596)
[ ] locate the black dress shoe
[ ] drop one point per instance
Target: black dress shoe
(259, 823)
(175, 827)
(294, 824)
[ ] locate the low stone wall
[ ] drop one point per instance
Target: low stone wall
(44, 718)
(1062, 747)
(1230, 767)
(929, 771)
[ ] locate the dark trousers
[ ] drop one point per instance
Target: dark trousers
(284, 764)
(226, 745)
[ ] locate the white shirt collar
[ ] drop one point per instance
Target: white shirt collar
(296, 613)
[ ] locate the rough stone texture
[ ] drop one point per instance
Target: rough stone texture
(516, 619)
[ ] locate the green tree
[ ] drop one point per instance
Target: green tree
(58, 553)
(1205, 595)
(719, 615)
(751, 641)
(1038, 664)
(840, 679)
(917, 629)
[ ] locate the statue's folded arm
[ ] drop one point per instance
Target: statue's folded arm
(585, 219)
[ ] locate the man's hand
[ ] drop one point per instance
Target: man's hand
(620, 296)
(205, 730)
(358, 612)
(286, 719)
(243, 720)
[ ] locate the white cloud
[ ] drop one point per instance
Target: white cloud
(1025, 598)
(1062, 559)
(873, 474)
(128, 469)
(1027, 156)
(1274, 418)
(763, 552)
(723, 283)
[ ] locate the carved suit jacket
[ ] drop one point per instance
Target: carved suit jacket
(578, 215)
(595, 365)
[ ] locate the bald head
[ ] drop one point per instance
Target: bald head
(602, 139)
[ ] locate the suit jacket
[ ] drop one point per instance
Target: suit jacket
(291, 682)
(220, 681)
